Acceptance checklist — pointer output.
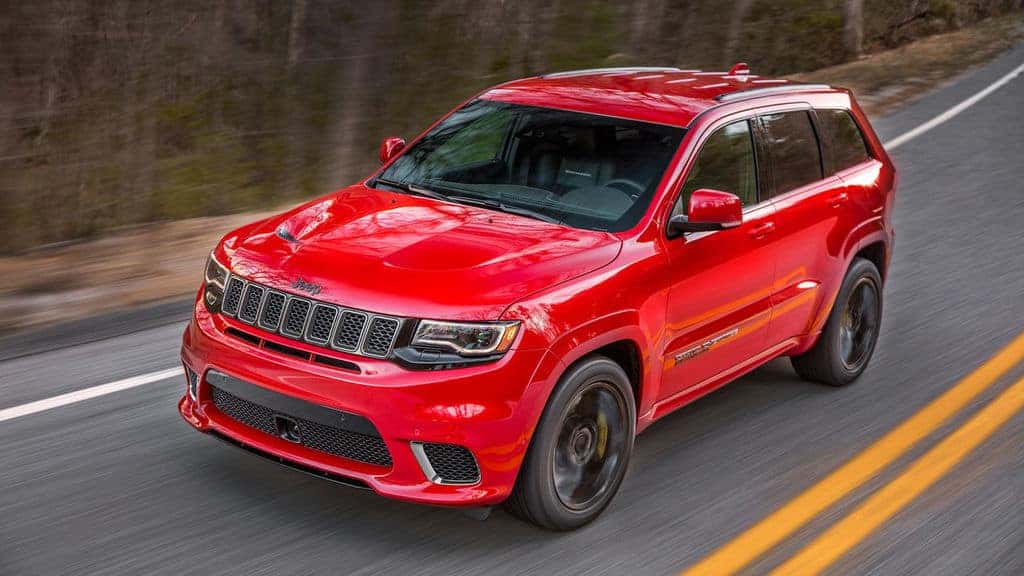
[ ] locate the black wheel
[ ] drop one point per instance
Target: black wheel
(580, 449)
(848, 340)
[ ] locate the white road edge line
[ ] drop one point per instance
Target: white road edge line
(89, 393)
(135, 381)
(948, 114)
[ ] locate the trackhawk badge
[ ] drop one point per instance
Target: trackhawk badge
(702, 348)
(307, 287)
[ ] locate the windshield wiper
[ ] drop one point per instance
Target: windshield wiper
(411, 188)
(510, 208)
(473, 200)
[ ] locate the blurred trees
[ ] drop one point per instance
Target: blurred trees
(120, 112)
(853, 27)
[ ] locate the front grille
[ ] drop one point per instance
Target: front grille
(311, 321)
(313, 435)
(452, 464)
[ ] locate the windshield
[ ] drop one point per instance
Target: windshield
(584, 170)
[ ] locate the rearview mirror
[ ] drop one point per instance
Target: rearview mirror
(707, 211)
(390, 148)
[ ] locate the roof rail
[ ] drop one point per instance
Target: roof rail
(623, 70)
(755, 92)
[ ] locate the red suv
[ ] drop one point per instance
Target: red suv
(556, 264)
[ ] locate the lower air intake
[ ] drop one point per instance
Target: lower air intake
(447, 463)
(266, 409)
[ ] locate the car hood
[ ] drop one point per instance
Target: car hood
(405, 255)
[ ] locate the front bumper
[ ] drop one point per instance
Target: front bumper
(490, 409)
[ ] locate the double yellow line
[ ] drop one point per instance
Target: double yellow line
(925, 471)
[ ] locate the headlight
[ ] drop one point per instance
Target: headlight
(466, 339)
(213, 284)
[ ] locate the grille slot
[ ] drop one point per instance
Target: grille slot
(450, 463)
(251, 303)
(250, 338)
(350, 329)
(288, 350)
(380, 336)
(233, 296)
(321, 324)
(336, 362)
(314, 435)
(295, 317)
(273, 310)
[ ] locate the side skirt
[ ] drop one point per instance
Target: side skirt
(715, 382)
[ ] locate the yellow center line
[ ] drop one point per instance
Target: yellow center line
(924, 472)
(777, 526)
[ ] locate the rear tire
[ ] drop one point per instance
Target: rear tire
(846, 344)
(580, 449)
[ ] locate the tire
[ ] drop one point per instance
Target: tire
(843, 351)
(570, 438)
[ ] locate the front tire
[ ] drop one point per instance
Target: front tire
(846, 344)
(580, 450)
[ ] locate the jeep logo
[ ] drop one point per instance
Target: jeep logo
(307, 287)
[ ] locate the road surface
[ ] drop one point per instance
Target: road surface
(118, 484)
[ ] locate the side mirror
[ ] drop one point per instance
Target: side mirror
(708, 210)
(390, 148)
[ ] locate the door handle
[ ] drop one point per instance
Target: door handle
(838, 200)
(762, 230)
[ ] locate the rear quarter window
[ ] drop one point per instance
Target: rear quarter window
(843, 139)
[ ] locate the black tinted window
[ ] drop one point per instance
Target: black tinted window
(793, 149)
(726, 163)
(844, 138)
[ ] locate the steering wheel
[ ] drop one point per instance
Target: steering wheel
(634, 189)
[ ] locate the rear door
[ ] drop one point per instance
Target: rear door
(811, 226)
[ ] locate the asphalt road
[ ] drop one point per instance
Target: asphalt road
(120, 485)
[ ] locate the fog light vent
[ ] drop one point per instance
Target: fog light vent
(446, 463)
(193, 383)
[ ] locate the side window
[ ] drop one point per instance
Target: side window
(844, 139)
(726, 163)
(793, 149)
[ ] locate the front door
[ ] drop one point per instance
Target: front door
(719, 300)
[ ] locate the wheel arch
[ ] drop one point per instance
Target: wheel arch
(875, 252)
(619, 338)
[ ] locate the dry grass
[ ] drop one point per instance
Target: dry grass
(125, 268)
(160, 261)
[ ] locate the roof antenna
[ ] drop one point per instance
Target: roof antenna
(739, 69)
